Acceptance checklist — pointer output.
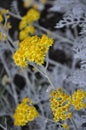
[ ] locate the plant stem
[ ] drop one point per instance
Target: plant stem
(9, 74)
(44, 73)
(53, 34)
(74, 124)
(2, 127)
(42, 28)
(50, 81)
(46, 118)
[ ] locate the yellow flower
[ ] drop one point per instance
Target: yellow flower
(60, 105)
(0, 36)
(32, 49)
(23, 23)
(44, 1)
(25, 100)
(31, 16)
(65, 126)
(4, 11)
(78, 99)
(24, 33)
(35, 6)
(30, 29)
(1, 18)
(19, 58)
(27, 3)
(24, 113)
(8, 26)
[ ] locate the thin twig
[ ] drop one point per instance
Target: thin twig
(8, 72)
(53, 34)
(3, 127)
(74, 124)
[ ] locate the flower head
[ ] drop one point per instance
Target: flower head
(31, 16)
(65, 126)
(27, 3)
(78, 99)
(25, 32)
(60, 105)
(32, 49)
(24, 113)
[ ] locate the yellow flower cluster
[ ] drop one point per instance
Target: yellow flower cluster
(25, 25)
(24, 113)
(60, 105)
(27, 3)
(31, 16)
(26, 31)
(65, 126)
(32, 49)
(78, 99)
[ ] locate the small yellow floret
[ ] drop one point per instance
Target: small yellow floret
(44, 1)
(25, 100)
(24, 33)
(23, 23)
(0, 36)
(27, 3)
(65, 126)
(4, 11)
(35, 6)
(24, 113)
(30, 29)
(3, 36)
(1, 18)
